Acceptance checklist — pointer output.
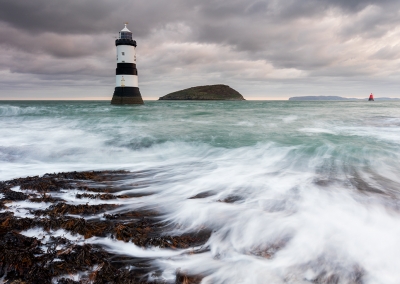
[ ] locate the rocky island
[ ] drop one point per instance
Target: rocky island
(209, 92)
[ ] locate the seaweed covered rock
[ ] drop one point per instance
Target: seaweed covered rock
(209, 92)
(51, 241)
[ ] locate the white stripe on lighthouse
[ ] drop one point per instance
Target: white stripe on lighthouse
(129, 81)
(126, 54)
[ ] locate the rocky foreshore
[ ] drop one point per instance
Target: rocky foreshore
(47, 239)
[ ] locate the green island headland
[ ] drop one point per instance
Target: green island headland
(208, 92)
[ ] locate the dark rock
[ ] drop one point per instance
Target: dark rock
(13, 195)
(63, 208)
(182, 278)
(204, 194)
(231, 199)
(32, 260)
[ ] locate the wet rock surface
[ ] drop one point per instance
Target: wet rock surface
(47, 257)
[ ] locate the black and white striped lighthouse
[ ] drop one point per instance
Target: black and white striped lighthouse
(126, 79)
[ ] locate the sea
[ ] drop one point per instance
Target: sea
(314, 185)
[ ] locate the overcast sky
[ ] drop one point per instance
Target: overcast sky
(270, 49)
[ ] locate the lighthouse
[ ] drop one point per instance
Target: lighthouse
(126, 75)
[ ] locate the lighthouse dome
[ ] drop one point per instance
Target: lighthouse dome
(125, 29)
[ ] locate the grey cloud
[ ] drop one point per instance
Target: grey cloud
(72, 16)
(387, 53)
(375, 22)
(236, 40)
(94, 16)
(57, 45)
(89, 16)
(257, 7)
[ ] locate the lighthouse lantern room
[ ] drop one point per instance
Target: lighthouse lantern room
(126, 79)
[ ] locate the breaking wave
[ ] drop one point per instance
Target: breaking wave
(292, 193)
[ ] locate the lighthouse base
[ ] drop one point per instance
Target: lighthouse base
(127, 96)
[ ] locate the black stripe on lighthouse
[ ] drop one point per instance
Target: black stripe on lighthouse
(126, 69)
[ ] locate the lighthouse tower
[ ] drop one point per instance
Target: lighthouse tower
(126, 79)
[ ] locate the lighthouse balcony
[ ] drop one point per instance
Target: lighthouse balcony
(125, 41)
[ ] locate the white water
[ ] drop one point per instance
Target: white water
(316, 185)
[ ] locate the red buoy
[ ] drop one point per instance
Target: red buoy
(371, 97)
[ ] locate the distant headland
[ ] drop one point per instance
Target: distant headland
(337, 98)
(208, 92)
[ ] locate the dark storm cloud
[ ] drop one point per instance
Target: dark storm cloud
(261, 40)
(72, 16)
(55, 44)
(97, 16)
(88, 16)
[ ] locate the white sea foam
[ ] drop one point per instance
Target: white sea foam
(69, 196)
(290, 118)
(317, 130)
(313, 189)
(23, 208)
(16, 189)
(131, 249)
(44, 236)
(9, 110)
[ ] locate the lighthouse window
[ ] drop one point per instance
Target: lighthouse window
(126, 35)
(123, 53)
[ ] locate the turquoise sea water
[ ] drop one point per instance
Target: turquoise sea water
(323, 176)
